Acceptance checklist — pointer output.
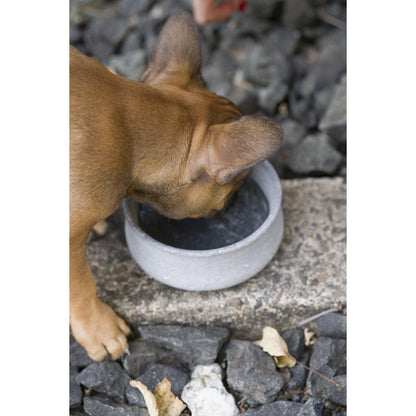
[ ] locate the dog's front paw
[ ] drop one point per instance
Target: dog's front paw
(100, 331)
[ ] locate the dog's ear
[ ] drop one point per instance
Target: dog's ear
(177, 53)
(232, 148)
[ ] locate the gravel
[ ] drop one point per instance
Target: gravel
(242, 376)
(279, 58)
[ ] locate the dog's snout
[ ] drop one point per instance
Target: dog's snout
(217, 213)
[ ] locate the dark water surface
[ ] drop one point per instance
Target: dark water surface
(243, 217)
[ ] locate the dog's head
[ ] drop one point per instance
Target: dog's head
(216, 147)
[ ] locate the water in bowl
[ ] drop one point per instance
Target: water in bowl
(248, 211)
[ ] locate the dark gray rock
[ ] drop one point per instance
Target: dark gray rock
(239, 49)
(336, 9)
(253, 372)
(335, 118)
(324, 389)
(301, 108)
(265, 66)
(103, 406)
(329, 358)
(329, 66)
(246, 99)
(321, 100)
(293, 133)
(219, 73)
(312, 407)
(246, 25)
(77, 412)
(272, 95)
(315, 154)
(175, 6)
(103, 35)
(332, 325)
(330, 352)
(78, 14)
(143, 355)
(266, 9)
(77, 354)
(155, 374)
(279, 408)
(75, 34)
(75, 390)
(300, 66)
(106, 377)
(148, 28)
(298, 13)
(130, 65)
(132, 42)
(298, 374)
(129, 7)
(295, 341)
(192, 345)
(284, 39)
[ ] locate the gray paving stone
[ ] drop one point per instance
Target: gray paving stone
(306, 276)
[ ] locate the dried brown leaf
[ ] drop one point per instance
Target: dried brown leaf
(275, 345)
(148, 396)
(167, 403)
(163, 402)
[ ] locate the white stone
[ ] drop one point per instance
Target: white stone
(205, 395)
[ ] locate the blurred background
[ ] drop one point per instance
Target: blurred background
(285, 59)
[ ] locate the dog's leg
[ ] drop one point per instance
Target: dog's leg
(94, 324)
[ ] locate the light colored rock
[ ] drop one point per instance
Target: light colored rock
(205, 394)
(306, 276)
(334, 121)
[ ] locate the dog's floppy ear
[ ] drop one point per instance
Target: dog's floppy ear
(177, 52)
(232, 148)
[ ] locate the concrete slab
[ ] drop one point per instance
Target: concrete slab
(306, 276)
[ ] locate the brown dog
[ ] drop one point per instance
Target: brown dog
(166, 141)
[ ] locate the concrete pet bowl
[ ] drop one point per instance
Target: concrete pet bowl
(216, 268)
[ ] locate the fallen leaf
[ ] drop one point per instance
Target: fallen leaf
(163, 402)
(275, 345)
(167, 403)
(149, 399)
(309, 337)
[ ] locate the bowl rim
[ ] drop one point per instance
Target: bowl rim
(273, 212)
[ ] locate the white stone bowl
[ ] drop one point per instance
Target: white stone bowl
(217, 268)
